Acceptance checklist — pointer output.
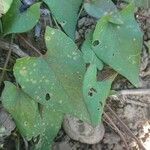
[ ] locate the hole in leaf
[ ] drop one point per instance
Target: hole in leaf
(113, 54)
(47, 97)
(96, 42)
(92, 91)
(63, 22)
(80, 77)
(101, 104)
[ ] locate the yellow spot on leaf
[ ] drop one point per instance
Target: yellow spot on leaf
(23, 72)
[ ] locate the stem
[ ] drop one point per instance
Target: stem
(15, 48)
(126, 128)
(133, 92)
(56, 23)
(30, 45)
(116, 128)
(4, 69)
(6, 62)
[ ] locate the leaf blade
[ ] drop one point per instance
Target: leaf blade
(66, 12)
(95, 93)
(99, 8)
(16, 22)
(56, 75)
(121, 49)
(23, 109)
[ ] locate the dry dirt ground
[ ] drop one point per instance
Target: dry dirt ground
(131, 108)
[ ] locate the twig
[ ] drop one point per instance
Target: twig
(130, 101)
(56, 22)
(134, 92)
(116, 128)
(50, 20)
(124, 93)
(6, 62)
(15, 48)
(26, 144)
(126, 128)
(4, 69)
(82, 7)
(45, 12)
(104, 120)
(142, 104)
(30, 45)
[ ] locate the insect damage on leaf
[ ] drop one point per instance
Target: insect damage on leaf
(88, 54)
(96, 43)
(119, 45)
(58, 83)
(92, 91)
(30, 122)
(95, 93)
(47, 97)
(55, 80)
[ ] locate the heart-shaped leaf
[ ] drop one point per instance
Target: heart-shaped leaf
(28, 119)
(15, 21)
(55, 80)
(99, 8)
(66, 13)
(4, 6)
(120, 45)
(23, 109)
(96, 93)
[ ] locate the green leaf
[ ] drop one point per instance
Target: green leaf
(4, 6)
(17, 22)
(28, 119)
(52, 121)
(96, 93)
(88, 54)
(99, 8)
(120, 45)
(66, 13)
(23, 109)
(140, 3)
(55, 80)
